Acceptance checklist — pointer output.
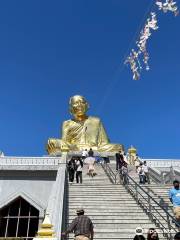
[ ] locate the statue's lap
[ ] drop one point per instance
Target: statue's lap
(58, 145)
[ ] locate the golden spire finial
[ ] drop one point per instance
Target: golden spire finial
(132, 150)
(46, 230)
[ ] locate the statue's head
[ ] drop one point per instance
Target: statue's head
(78, 105)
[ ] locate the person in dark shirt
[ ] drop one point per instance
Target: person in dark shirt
(82, 227)
(119, 160)
(71, 169)
(139, 237)
(91, 153)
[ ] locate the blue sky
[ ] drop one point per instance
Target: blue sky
(51, 50)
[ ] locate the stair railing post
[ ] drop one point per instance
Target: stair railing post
(162, 178)
(169, 227)
(172, 175)
(136, 191)
(105, 164)
(149, 205)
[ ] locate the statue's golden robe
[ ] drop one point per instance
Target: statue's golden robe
(78, 135)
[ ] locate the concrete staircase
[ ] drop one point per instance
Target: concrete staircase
(113, 210)
(158, 192)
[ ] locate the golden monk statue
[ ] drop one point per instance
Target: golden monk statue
(81, 132)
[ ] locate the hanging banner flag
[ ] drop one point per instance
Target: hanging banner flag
(136, 56)
(132, 60)
(169, 5)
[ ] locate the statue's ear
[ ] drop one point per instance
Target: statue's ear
(87, 106)
(70, 110)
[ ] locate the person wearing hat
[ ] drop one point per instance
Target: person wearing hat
(139, 234)
(82, 227)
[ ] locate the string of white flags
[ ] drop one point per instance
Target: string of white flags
(139, 57)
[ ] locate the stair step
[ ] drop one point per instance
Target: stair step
(120, 221)
(113, 217)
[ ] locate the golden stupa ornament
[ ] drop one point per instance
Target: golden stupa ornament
(132, 150)
(132, 155)
(46, 230)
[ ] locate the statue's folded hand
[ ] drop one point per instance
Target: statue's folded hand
(56, 145)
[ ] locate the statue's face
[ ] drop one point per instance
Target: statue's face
(78, 105)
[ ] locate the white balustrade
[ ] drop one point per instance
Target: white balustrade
(4, 161)
(163, 162)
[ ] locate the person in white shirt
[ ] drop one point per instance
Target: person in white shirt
(84, 154)
(146, 172)
(79, 166)
(125, 158)
(136, 163)
(140, 172)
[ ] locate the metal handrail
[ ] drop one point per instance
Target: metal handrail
(111, 174)
(134, 189)
(162, 202)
